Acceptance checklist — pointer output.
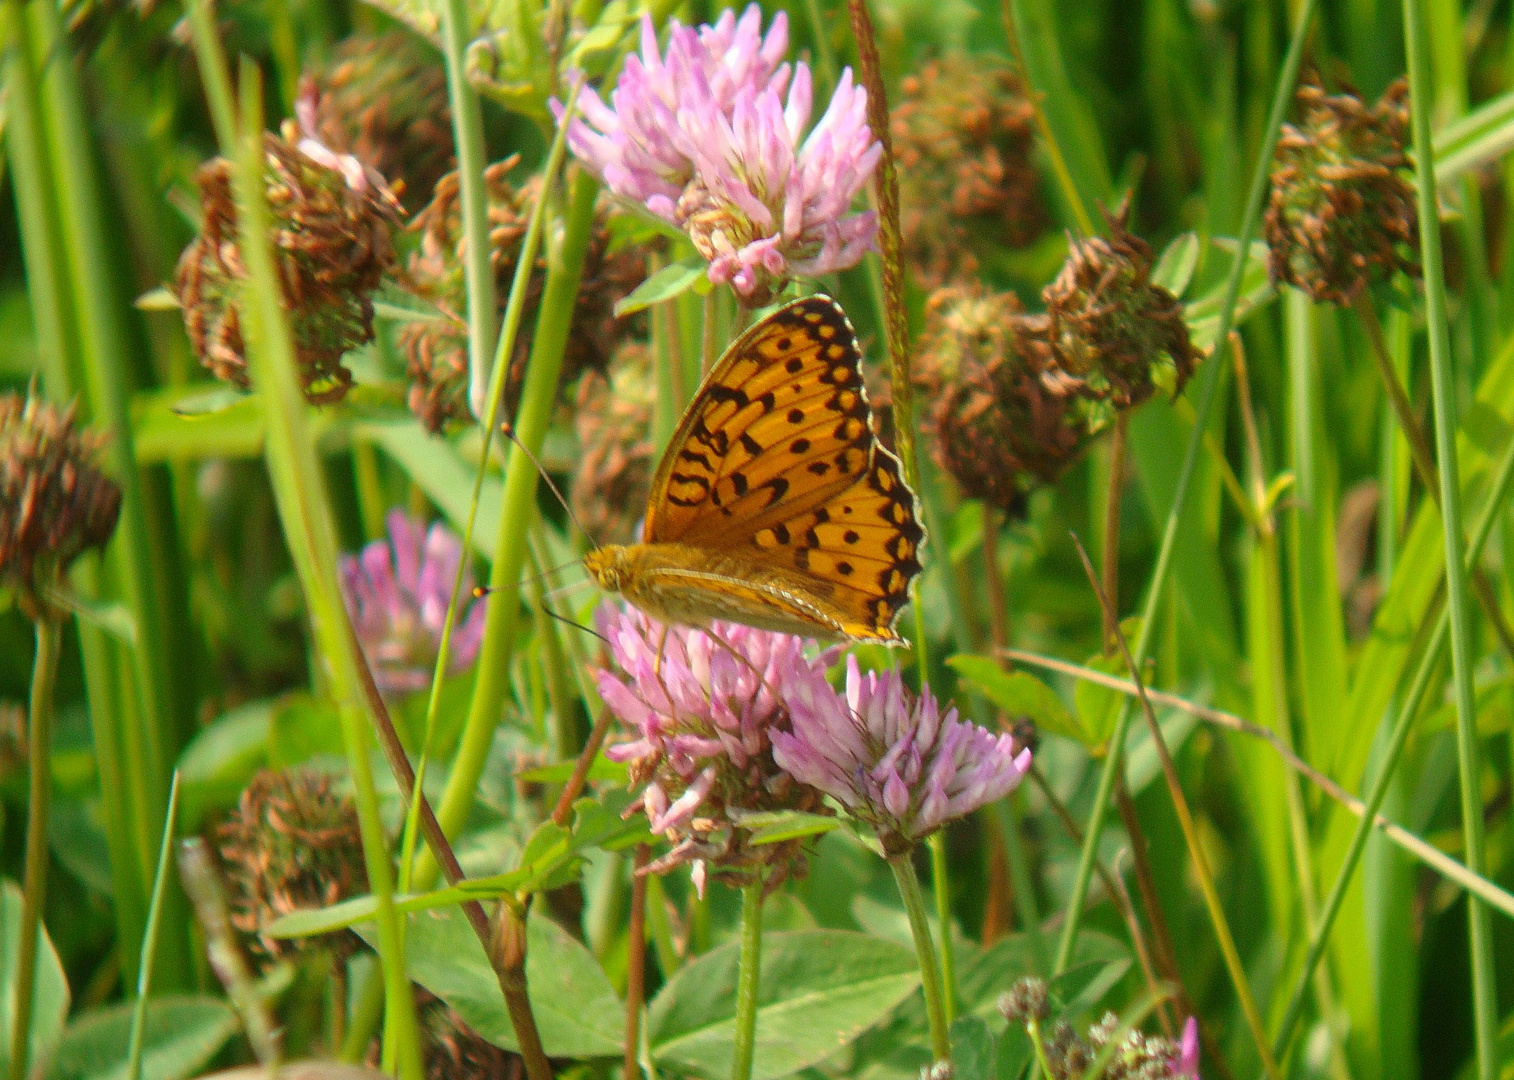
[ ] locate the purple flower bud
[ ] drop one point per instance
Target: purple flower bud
(892, 759)
(705, 138)
(397, 592)
(1186, 1064)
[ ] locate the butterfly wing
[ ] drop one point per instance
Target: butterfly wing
(776, 459)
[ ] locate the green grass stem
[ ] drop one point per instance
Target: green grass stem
(299, 487)
(473, 197)
(149, 939)
(514, 310)
(564, 271)
(1209, 392)
(1409, 706)
(1463, 657)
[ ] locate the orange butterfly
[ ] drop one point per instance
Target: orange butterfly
(774, 504)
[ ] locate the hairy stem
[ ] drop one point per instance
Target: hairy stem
(919, 928)
(748, 972)
(39, 735)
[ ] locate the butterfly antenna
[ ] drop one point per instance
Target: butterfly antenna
(508, 430)
(579, 625)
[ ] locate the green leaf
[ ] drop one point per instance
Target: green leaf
(1202, 314)
(672, 280)
(818, 990)
(209, 402)
(303, 727)
(210, 425)
(218, 762)
(1467, 144)
(601, 769)
(577, 1010)
(974, 1049)
(182, 1034)
(1019, 693)
(1175, 267)
(776, 826)
(49, 987)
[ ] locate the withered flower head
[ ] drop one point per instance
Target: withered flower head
(996, 423)
(55, 503)
(1117, 335)
(1341, 214)
(291, 843)
(614, 421)
(332, 230)
(437, 350)
(383, 99)
(963, 138)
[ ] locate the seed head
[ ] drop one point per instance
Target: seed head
(614, 421)
(1341, 215)
(1024, 1002)
(332, 231)
(291, 843)
(437, 350)
(1116, 335)
(383, 99)
(996, 422)
(963, 139)
(55, 503)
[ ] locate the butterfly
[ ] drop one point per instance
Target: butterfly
(774, 504)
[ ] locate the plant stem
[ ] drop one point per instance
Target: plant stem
(39, 736)
(941, 887)
(150, 938)
(562, 812)
(473, 198)
(636, 963)
(748, 975)
(305, 511)
(1424, 463)
(1196, 854)
(1208, 394)
(507, 955)
(1109, 553)
(565, 268)
(514, 310)
(993, 584)
(1425, 852)
(919, 928)
(1274, 650)
(1463, 658)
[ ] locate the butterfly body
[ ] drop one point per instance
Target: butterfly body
(774, 505)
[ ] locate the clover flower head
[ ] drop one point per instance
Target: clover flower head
(893, 759)
(704, 707)
(710, 137)
(397, 591)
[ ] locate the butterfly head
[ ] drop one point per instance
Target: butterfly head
(608, 566)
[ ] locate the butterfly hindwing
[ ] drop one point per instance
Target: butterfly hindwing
(776, 457)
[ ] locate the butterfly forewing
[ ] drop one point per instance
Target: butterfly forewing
(776, 457)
